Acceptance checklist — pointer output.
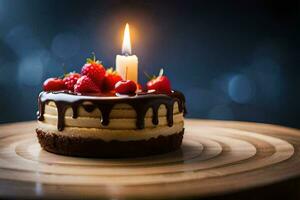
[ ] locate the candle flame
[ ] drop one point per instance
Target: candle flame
(126, 47)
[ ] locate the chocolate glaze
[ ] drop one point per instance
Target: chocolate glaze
(140, 102)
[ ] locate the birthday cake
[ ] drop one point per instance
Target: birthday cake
(99, 114)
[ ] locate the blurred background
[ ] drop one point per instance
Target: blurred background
(234, 60)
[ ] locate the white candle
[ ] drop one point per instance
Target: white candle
(127, 64)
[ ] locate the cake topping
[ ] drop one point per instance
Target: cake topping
(110, 79)
(54, 84)
(94, 78)
(86, 85)
(161, 83)
(70, 80)
(94, 70)
(126, 87)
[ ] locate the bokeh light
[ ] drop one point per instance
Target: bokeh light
(22, 40)
(241, 89)
(28, 65)
(65, 45)
(201, 101)
(267, 74)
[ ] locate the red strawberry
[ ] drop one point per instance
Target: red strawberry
(125, 87)
(160, 84)
(70, 80)
(86, 85)
(94, 70)
(54, 84)
(110, 80)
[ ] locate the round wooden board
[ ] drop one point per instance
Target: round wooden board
(216, 158)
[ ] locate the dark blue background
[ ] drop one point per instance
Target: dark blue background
(234, 60)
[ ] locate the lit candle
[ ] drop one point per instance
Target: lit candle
(127, 64)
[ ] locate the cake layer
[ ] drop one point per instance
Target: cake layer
(129, 123)
(113, 134)
(91, 147)
(140, 111)
(121, 127)
(122, 117)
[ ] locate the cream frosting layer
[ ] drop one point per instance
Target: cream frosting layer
(110, 134)
(122, 124)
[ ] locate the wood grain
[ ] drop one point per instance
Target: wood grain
(216, 157)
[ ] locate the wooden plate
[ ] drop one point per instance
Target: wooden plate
(216, 158)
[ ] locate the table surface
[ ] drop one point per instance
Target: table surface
(216, 158)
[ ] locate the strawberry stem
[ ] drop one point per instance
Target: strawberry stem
(93, 59)
(161, 72)
(94, 56)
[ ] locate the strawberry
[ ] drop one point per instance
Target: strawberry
(160, 84)
(86, 85)
(125, 87)
(54, 84)
(94, 70)
(110, 79)
(70, 80)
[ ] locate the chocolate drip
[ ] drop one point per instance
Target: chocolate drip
(61, 110)
(170, 115)
(75, 110)
(40, 113)
(155, 114)
(140, 114)
(181, 102)
(140, 103)
(105, 112)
